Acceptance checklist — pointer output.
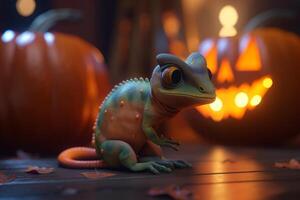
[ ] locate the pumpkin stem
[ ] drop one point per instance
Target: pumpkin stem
(268, 17)
(46, 20)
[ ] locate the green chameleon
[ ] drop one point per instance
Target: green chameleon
(125, 130)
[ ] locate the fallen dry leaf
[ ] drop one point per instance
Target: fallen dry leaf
(6, 178)
(39, 170)
(228, 161)
(22, 155)
(291, 164)
(69, 191)
(97, 175)
(173, 191)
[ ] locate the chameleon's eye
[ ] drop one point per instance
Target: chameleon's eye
(209, 73)
(171, 76)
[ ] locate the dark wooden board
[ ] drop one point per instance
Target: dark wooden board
(217, 173)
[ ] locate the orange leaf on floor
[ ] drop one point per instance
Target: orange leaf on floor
(291, 164)
(6, 178)
(228, 160)
(173, 191)
(39, 170)
(97, 175)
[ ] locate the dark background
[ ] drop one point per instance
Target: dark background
(98, 24)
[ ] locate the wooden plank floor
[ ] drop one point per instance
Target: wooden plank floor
(246, 174)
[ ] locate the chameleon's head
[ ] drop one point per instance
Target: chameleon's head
(181, 84)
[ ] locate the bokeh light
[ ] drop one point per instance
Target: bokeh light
(8, 36)
(228, 16)
(255, 100)
(267, 82)
(25, 7)
(217, 105)
(241, 99)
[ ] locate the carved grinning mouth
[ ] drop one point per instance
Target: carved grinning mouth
(235, 101)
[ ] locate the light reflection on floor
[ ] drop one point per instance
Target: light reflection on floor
(227, 175)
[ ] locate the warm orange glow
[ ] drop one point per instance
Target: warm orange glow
(241, 99)
(192, 42)
(171, 24)
(227, 32)
(220, 184)
(190, 10)
(236, 100)
(211, 60)
(228, 17)
(216, 105)
(178, 48)
(225, 72)
(25, 7)
(255, 100)
(249, 58)
(267, 82)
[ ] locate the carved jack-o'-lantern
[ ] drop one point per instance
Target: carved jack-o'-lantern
(241, 77)
(257, 78)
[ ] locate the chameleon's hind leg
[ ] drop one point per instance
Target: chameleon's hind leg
(153, 152)
(117, 153)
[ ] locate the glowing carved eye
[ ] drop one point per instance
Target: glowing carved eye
(249, 59)
(209, 50)
(171, 76)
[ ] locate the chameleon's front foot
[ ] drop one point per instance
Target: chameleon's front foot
(157, 167)
(152, 166)
(172, 164)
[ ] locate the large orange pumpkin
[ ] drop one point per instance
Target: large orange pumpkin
(51, 85)
(257, 76)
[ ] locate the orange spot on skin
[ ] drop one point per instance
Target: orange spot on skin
(122, 103)
(137, 116)
(105, 111)
(112, 118)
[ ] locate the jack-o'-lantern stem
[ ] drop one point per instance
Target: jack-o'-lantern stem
(268, 18)
(46, 20)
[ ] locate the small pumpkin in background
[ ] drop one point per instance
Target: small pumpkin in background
(51, 85)
(257, 76)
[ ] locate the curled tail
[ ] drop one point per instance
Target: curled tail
(80, 157)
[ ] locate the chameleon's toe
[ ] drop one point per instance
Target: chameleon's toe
(157, 168)
(166, 163)
(180, 164)
(153, 170)
(162, 168)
